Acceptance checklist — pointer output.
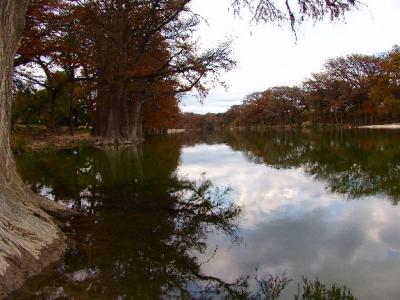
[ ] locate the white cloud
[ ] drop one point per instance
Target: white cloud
(268, 55)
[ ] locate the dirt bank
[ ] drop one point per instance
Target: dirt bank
(24, 138)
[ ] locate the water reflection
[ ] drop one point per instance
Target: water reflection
(157, 227)
(356, 163)
(296, 220)
(142, 226)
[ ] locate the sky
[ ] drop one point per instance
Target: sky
(268, 55)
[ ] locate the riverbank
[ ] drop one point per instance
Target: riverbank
(35, 138)
(38, 137)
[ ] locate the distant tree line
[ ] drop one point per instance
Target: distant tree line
(354, 89)
(206, 122)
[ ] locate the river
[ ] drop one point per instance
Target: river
(213, 215)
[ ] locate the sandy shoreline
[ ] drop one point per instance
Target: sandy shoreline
(383, 126)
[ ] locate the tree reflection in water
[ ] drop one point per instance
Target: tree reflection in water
(142, 225)
(356, 163)
(141, 230)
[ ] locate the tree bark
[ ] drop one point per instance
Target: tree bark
(118, 117)
(134, 120)
(29, 238)
(140, 133)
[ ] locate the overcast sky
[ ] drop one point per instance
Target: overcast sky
(268, 55)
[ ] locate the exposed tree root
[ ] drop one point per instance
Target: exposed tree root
(29, 238)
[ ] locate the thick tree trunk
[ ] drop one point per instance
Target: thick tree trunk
(119, 120)
(112, 123)
(29, 238)
(112, 134)
(135, 114)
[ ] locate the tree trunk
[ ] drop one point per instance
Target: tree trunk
(134, 120)
(29, 238)
(70, 102)
(51, 109)
(112, 123)
(120, 118)
(112, 130)
(140, 133)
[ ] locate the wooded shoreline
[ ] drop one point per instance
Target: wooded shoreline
(37, 139)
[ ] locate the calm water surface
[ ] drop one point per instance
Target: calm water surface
(196, 217)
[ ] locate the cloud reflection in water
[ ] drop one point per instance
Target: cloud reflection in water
(293, 223)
